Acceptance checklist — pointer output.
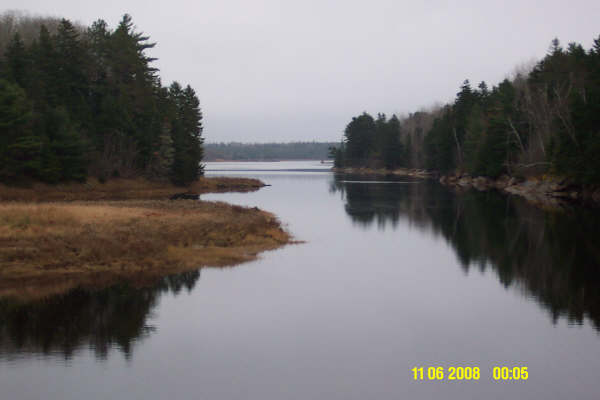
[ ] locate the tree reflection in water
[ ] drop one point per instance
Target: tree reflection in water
(551, 256)
(103, 319)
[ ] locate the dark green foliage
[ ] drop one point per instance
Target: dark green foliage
(359, 138)
(19, 150)
(337, 154)
(576, 148)
(439, 144)
(392, 152)
(373, 143)
(16, 61)
(66, 148)
(187, 128)
(77, 103)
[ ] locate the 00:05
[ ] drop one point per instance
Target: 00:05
(506, 373)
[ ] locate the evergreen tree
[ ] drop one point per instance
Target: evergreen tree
(17, 63)
(19, 148)
(359, 138)
(72, 72)
(440, 144)
(392, 150)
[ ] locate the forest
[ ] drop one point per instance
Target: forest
(267, 151)
(545, 120)
(79, 102)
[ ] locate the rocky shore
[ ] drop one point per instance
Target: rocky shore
(545, 191)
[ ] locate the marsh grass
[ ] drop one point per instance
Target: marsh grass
(51, 242)
(122, 189)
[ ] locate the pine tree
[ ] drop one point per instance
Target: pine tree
(17, 62)
(72, 67)
(392, 149)
(359, 138)
(19, 149)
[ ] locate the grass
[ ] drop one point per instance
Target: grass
(122, 189)
(62, 245)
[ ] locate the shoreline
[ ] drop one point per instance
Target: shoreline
(124, 189)
(542, 191)
(94, 238)
(545, 191)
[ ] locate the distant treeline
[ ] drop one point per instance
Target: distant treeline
(78, 102)
(543, 120)
(267, 151)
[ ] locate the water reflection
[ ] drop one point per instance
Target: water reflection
(554, 257)
(102, 320)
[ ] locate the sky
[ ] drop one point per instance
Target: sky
(268, 70)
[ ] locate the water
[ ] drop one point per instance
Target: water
(391, 275)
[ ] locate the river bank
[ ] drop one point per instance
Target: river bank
(123, 189)
(52, 246)
(544, 191)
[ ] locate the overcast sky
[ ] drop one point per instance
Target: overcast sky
(276, 70)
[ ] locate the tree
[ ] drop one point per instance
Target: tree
(392, 149)
(359, 137)
(19, 148)
(186, 134)
(440, 143)
(72, 72)
(17, 61)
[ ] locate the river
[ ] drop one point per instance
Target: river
(389, 275)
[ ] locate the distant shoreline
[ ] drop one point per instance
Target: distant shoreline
(273, 160)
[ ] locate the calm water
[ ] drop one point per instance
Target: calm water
(392, 275)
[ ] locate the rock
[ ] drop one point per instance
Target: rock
(545, 187)
(501, 182)
(465, 181)
(481, 183)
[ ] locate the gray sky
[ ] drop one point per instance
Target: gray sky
(269, 70)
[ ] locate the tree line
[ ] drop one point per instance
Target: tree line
(546, 120)
(86, 101)
(267, 151)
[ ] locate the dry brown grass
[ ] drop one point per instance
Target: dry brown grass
(64, 244)
(122, 189)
